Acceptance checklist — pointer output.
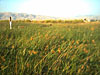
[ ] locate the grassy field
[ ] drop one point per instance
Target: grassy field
(50, 49)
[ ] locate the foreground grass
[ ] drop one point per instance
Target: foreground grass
(43, 49)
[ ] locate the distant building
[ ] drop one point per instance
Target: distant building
(93, 20)
(86, 20)
(89, 20)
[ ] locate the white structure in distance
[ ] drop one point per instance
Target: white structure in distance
(10, 23)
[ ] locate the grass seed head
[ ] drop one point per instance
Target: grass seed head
(59, 51)
(77, 42)
(73, 42)
(31, 38)
(12, 46)
(34, 52)
(3, 59)
(85, 50)
(27, 65)
(71, 47)
(52, 51)
(93, 41)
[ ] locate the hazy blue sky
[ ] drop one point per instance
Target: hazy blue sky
(59, 8)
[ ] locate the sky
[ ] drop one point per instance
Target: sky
(56, 8)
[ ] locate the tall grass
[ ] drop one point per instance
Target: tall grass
(41, 49)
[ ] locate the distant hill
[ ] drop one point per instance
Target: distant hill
(23, 16)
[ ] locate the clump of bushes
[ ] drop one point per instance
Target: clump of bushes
(47, 21)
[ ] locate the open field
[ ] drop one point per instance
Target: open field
(50, 49)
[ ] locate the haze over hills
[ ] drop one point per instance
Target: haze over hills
(23, 16)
